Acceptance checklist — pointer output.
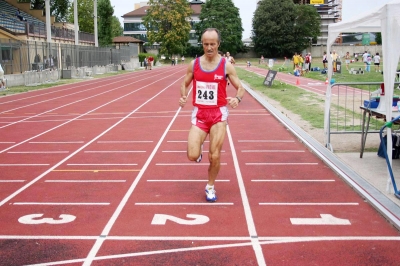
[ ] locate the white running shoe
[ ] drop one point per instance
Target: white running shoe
(210, 194)
(201, 155)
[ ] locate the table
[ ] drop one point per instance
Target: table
(377, 114)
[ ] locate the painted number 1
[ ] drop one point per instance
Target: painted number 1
(36, 219)
(161, 219)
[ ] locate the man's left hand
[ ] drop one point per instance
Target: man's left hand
(233, 102)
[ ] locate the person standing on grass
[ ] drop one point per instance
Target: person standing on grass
(365, 57)
(209, 75)
(2, 79)
(377, 62)
(347, 60)
(324, 60)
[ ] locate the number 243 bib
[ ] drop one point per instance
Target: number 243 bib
(206, 93)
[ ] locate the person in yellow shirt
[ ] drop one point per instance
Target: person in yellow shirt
(296, 60)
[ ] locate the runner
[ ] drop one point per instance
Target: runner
(209, 74)
(2, 79)
(150, 62)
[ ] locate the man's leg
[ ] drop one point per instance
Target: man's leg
(195, 140)
(217, 136)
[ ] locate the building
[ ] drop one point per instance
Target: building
(134, 27)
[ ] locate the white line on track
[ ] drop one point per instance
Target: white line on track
(125, 141)
(211, 204)
(114, 151)
(262, 140)
(25, 164)
(184, 164)
(80, 100)
(182, 141)
(56, 142)
(91, 111)
(246, 205)
(103, 164)
(85, 145)
(265, 241)
(28, 152)
(293, 180)
(185, 180)
(281, 163)
(309, 203)
(62, 203)
(85, 181)
(97, 245)
(11, 181)
(273, 151)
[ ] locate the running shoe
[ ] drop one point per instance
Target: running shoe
(210, 195)
(201, 155)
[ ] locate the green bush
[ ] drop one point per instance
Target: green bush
(142, 56)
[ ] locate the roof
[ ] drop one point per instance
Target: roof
(140, 12)
(126, 39)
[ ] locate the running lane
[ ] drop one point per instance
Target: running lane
(128, 195)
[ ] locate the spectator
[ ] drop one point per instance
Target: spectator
(183, 59)
(262, 59)
(145, 63)
(150, 60)
(2, 79)
(296, 60)
(19, 15)
(347, 60)
(368, 66)
(309, 65)
(230, 58)
(172, 61)
(377, 62)
(365, 57)
(324, 60)
(248, 64)
(307, 62)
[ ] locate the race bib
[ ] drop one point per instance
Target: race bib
(206, 93)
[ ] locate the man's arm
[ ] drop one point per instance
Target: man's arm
(185, 84)
(234, 79)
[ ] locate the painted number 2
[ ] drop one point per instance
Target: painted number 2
(35, 219)
(161, 219)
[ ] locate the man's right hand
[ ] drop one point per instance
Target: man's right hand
(182, 101)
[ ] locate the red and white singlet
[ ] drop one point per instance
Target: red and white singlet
(209, 86)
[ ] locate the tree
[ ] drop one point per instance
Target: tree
(281, 28)
(116, 28)
(85, 15)
(378, 38)
(168, 23)
(58, 8)
(223, 15)
(105, 12)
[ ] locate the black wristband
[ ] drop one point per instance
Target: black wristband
(239, 99)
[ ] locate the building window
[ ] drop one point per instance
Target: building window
(134, 27)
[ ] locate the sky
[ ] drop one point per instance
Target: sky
(247, 7)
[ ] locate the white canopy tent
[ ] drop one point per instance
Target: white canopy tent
(386, 20)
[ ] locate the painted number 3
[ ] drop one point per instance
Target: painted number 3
(206, 95)
(36, 219)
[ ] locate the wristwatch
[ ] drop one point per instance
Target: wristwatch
(239, 99)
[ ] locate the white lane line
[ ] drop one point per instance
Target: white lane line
(63, 203)
(281, 163)
(85, 145)
(185, 180)
(91, 119)
(252, 114)
(184, 204)
(184, 164)
(273, 151)
(125, 141)
(246, 205)
(293, 180)
(182, 141)
(40, 152)
(262, 140)
(85, 181)
(103, 164)
(265, 241)
(11, 181)
(309, 203)
(25, 164)
(186, 151)
(80, 100)
(56, 142)
(113, 151)
(97, 245)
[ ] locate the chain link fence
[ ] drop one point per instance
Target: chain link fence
(41, 62)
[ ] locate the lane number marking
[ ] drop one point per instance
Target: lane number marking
(326, 219)
(161, 219)
(34, 219)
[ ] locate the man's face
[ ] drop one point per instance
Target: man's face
(210, 43)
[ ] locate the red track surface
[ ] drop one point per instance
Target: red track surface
(96, 173)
